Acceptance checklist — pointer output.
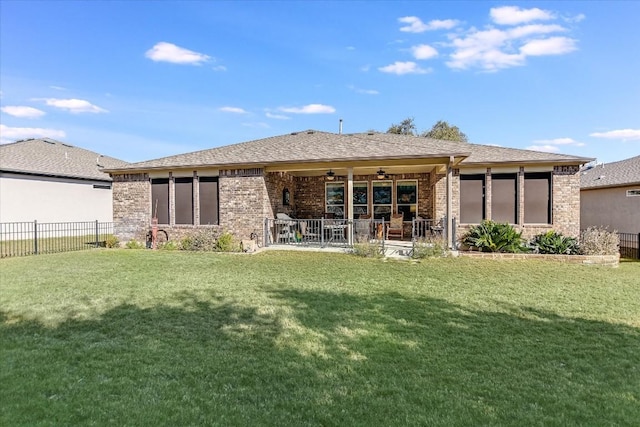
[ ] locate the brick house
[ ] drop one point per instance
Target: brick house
(306, 174)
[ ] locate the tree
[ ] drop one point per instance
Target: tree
(405, 127)
(442, 130)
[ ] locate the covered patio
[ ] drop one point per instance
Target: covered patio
(346, 202)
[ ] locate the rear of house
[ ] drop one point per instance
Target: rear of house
(311, 174)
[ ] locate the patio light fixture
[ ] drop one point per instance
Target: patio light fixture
(331, 175)
(381, 174)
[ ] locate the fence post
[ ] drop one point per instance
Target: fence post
(35, 237)
(96, 233)
(638, 242)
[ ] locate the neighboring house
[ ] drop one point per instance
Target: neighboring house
(610, 196)
(236, 187)
(50, 181)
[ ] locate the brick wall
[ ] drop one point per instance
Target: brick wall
(565, 214)
(131, 206)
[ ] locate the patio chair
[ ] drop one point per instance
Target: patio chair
(396, 226)
(308, 234)
(285, 226)
(363, 226)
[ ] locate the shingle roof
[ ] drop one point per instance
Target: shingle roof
(54, 158)
(624, 172)
(314, 146)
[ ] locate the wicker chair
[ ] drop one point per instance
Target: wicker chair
(396, 226)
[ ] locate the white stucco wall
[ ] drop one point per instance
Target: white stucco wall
(610, 207)
(48, 199)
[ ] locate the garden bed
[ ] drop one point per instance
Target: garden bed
(603, 260)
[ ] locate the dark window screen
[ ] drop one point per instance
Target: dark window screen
(471, 199)
(184, 200)
(504, 198)
(537, 198)
(209, 201)
(160, 199)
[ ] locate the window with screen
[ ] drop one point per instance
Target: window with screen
(407, 198)
(504, 198)
(208, 196)
(537, 198)
(184, 200)
(334, 197)
(472, 198)
(382, 199)
(160, 199)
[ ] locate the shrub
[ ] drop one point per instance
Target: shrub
(599, 241)
(111, 241)
(367, 249)
(170, 245)
(491, 236)
(429, 247)
(200, 240)
(134, 244)
(226, 243)
(552, 242)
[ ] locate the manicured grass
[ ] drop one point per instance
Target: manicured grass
(137, 337)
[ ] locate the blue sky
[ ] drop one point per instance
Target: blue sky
(141, 80)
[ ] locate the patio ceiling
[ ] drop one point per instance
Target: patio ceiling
(365, 167)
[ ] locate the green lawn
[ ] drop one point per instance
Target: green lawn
(138, 337)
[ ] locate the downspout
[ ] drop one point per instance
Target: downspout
(449, 203)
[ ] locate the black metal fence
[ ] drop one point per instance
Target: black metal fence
(33, 238)
(629, 245)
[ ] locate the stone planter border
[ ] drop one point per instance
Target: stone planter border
(602, 260)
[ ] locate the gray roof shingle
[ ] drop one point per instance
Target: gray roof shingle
(49, 157)
(315, 146)
(622, 173)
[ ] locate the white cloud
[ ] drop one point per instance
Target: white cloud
(424, 51)
(24, 112)
(169, 52)
(11, 134)
(575, 19)
(621, 134)
(560, 141)
(219, 68)
(415, 24)
(75, 105)
(401, 68)
(309, 109)
(493, 49)
(58, 87)
(277, 116)
(513, 15)
(260, 125)
(550, 46)
(363, 91)
(234, 110)
(546, 148)
(553, 145)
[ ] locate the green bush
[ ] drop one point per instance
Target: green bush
(134, 244)
(209, 240)
(200, 240)
(599, 241)
(111, 241)
(491, 236)
(429, 247)
(367, 249)
(171, 245)
(552, 242)
(226, 243)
